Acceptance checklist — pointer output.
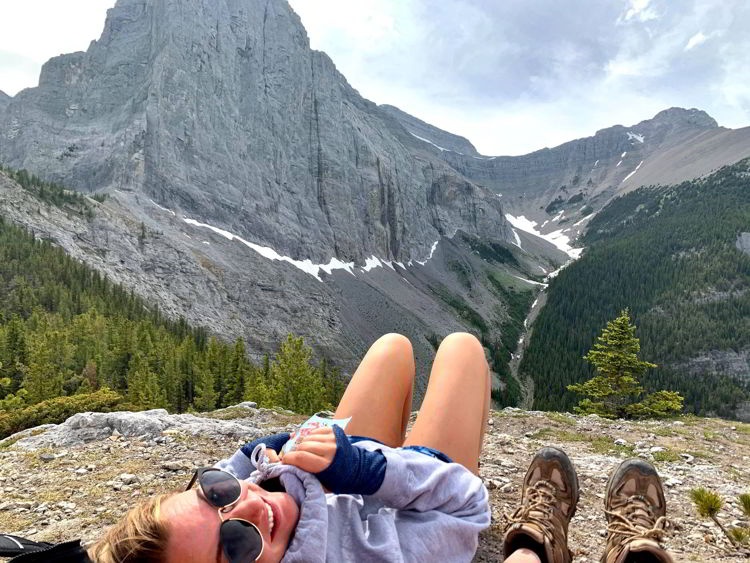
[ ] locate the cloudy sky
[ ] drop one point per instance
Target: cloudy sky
(513, 75)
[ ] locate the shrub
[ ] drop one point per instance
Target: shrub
(55, 411)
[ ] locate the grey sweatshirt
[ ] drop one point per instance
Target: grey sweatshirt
(425, 510)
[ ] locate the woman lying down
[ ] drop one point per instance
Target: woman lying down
(371, 493)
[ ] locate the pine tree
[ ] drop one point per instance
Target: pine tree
(708, 504)
(613, 392)
(15, 355)
(205, 393)
(615, 357)
(239, 373)
(50, 356)
(297, 385)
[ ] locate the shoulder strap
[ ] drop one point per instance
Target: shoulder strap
(69, 552)
(11, 546)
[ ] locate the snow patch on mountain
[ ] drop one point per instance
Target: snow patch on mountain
(635, 137)
(306, 265)
(558, 238)
(442, 149)
(633, 172)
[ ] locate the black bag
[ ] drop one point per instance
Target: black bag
(27, 551)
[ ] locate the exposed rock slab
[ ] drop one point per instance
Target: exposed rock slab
(83, 428)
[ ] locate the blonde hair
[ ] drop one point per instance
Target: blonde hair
(141, 536)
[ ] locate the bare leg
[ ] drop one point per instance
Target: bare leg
(378, 397)
(454, 412)
(523, 556)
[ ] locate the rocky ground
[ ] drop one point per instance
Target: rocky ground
(73, 480)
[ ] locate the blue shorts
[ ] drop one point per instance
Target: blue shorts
(432, 452)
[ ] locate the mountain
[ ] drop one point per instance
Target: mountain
(558, 188)
(4, 101)
(222, 112)
(253, 191)
(677, 258)
(441, 140)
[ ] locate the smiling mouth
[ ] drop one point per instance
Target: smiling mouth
(273, 519)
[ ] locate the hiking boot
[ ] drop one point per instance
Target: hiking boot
(548, 502)
(636, 514)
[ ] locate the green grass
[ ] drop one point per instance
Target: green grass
(600, 444)
(561, 418)
(664, 432)
(603, 445)
(666, 456)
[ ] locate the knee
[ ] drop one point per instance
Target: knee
(396, 346)
(465, 344)
(523, 555)
(463, 341)
(395, 341)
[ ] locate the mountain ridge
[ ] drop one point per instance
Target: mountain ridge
(4, 101)
(236, 86)
(254, 191)
(579, 177)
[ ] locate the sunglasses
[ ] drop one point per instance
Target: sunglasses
(241, 540)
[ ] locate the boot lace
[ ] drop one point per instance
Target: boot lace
(636, 520)
(537, 508)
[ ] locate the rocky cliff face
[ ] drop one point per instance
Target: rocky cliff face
(220, 110)
(73, 480)
(4, 101)
(257, 173)
(557, 188)
(275, 199)
(437, 138)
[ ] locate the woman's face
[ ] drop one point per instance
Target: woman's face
(194, 524)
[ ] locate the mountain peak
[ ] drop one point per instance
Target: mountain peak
(694, 117)
(439, 138)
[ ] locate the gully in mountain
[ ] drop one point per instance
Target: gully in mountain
(373, 494)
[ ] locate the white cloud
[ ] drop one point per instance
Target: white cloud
(33, 31)
(512, 77)
(640, 11)
(695, 40)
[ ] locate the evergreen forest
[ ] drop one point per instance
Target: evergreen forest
(68, 331)
(671, 256)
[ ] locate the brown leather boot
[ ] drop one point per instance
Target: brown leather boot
(636, 514)
(548, 502)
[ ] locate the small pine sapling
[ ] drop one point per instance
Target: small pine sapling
(709, 503)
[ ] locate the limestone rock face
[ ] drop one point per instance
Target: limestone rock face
(221, 111)
(439, 139)
(743, 242)
(567, 183)
(4, 101)
(86, 427)
(218, 111)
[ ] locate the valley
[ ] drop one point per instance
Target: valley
(235, 179)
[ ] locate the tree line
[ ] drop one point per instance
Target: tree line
(670, 256)
(66, 330)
